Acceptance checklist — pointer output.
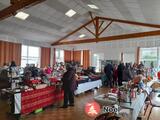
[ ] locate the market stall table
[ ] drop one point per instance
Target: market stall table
(134, 107)
(85, 85)
(28, 101)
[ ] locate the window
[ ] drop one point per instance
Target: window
(149, 55)
(59, 55)
(97, 58)
(30, 55)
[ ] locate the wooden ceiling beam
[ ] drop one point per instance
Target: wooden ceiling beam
(15, 6)
(97, 28)
(101, 24)
(91, 15)
(89, 31)
(105, 27)
(113, 38)
(131, 22)
(71, 33)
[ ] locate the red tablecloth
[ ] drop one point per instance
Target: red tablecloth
(35, 99)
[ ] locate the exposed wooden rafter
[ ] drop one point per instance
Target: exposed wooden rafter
(92, 18)
(113, 38)
(89, 31)
(101, 24)
(98, 26)
(71, 33)
(130, 22)
(17, 5)
(105, 27)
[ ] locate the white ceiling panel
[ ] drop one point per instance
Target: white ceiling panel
(48, 22)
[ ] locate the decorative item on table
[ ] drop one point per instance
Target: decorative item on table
(112, 96)
(45, 80)
(141, 85)
(158, 75)
(149, 78)
(33, 82)
(125, 84)
(114, 90)
(40, 86)
(134, 93)
(124, 95)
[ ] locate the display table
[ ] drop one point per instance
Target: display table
(88, 86)
(29, 101)
(133, 108)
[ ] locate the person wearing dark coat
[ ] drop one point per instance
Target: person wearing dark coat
(69, 86)
(120, 73)
(108, 70)
(127, 75)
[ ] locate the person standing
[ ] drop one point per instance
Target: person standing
(108, 70)
(115, 75)
(120, 73)
(127, 76)
(69, 86)
(13, 70)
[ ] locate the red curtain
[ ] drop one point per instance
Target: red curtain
(86, 59)
(77, 56)
(45, 56)
(10, 52)
(67, 56)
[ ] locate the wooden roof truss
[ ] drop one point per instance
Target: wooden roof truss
(98, 22)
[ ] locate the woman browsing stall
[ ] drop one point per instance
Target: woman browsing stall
(69, 86)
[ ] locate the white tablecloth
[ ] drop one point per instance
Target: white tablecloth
(133, 108)
(88, 86)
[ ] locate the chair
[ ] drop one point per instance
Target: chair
(107, 116)
(156, 87)
(153, 101)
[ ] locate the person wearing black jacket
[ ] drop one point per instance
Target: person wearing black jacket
(69, 86)
(108, 70)
(120, 70)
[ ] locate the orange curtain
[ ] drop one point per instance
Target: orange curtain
(67, 56)
(10, 52)
(45, 56)
(86, 59)
(77, 56)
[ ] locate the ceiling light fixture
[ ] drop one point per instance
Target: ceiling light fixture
(93, 6)
(82, 36)
(70, 13)
(22, 15)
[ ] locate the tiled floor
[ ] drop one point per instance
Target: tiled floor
(71, 113)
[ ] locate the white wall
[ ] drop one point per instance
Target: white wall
(129, 57)
(112, 49)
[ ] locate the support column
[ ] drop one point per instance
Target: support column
(138, 55)
(122, 56)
